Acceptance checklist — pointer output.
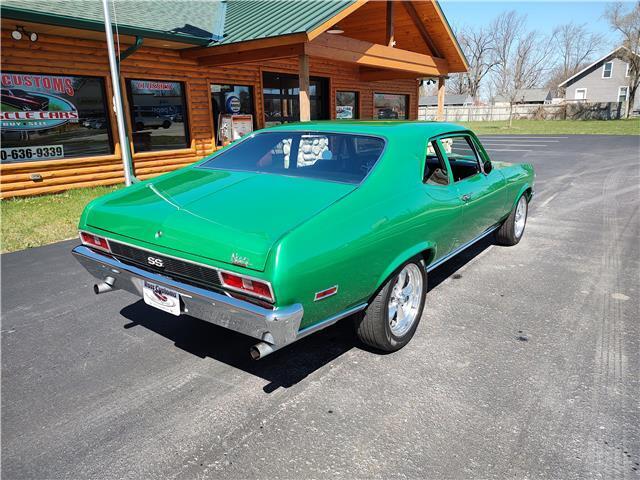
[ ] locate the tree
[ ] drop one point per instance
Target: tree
(523, 58)
(575, 46)
(627, 24)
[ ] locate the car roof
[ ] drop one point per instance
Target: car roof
(373, 127)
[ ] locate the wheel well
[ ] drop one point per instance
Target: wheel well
(428, 255)
(528, 192)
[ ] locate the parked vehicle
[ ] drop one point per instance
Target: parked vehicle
(384, 113)
(144, 120)
(22, 100)
(293, 228)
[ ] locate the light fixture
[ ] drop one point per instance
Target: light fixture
(18, 33)
(335, 30)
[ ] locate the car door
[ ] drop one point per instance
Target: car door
(443, 207)
(478, 192)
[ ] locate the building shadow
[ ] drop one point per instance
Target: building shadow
(285, 367)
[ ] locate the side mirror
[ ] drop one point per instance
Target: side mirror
(487, 167)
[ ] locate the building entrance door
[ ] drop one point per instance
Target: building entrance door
(281, 101)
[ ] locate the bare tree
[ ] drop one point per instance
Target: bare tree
(575, 46)
(523, 58)
(627, 24)
(478, 45)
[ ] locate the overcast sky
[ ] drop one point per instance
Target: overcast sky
(541, 15)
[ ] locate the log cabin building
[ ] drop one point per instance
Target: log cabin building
(195, 75)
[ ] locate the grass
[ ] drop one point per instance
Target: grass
(34, 221)
(555, 127)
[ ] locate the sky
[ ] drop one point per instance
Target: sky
(541, 15)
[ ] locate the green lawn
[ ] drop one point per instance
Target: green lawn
(557, 127)
(35, 221)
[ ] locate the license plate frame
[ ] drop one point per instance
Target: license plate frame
(161, 297)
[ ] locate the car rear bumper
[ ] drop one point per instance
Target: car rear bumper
(277, 327)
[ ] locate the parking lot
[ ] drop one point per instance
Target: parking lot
(525, 363)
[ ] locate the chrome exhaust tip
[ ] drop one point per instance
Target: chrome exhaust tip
(105, 286)
(261, 350)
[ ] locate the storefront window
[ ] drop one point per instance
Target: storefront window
(48, 117)
(230, 99)
(347, 105)
(388, 106)
(158, 115)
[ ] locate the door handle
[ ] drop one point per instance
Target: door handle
(465, 197)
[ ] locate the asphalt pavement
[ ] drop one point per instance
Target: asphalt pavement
(525, 365)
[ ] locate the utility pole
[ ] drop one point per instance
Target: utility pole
(117, 98)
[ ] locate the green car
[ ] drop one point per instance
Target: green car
(293, 228)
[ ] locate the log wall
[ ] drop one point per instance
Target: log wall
(60, 55)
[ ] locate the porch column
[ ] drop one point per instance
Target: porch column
(305, 104)
(441, 89)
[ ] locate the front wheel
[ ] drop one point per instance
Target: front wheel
(511, 231)
(391, 319)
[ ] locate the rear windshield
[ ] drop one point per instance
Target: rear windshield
(336, 157)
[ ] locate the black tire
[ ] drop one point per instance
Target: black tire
(507, 233)
(166, 124)
(373, 327)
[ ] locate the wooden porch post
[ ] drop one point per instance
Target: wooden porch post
(303, 74)
(389, 37)
(441, 89)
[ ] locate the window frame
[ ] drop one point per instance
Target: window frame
(604, 69)
(444, 161)
(628, 70)
(480, 157)
(252, 88)
(406, 107)
(358, 102)
(626, 94)
(107, 90)
(575, 94)
(131, 113)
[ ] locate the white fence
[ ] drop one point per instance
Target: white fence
(569, 111)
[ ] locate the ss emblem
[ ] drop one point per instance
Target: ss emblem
(157, 262)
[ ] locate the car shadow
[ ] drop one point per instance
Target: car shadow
(285, 367)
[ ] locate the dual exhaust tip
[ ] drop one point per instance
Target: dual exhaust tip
(258, 351)
(105, 286)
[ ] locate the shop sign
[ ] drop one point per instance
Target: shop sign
(233, 104)
(33, 102)
(344, 111)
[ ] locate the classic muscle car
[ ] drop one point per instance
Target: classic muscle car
(293, 228)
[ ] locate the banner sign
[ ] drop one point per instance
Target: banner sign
(35, 102)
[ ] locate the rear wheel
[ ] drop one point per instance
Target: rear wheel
(391, 319)
(511, 231)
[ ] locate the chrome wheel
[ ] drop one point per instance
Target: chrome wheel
(404, 300)
(521, 217)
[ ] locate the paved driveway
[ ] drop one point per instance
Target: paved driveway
(525, 364)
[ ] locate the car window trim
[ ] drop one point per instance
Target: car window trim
(442, 160)
(469, 135)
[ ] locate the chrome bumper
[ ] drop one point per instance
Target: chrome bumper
(277, 327)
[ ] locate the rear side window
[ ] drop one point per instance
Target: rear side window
(462, 155)
(328, 156)
(435, 169)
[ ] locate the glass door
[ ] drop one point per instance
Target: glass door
(282, 102)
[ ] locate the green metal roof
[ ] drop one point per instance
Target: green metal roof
(255, 19)
(194, 21)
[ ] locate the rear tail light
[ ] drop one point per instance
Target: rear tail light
(95, 241)
(250, 286)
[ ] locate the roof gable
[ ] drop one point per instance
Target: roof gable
(589, 68)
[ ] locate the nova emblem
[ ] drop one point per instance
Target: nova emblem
(238, 260)
(156, 262)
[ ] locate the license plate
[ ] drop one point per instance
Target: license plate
(161, 297)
